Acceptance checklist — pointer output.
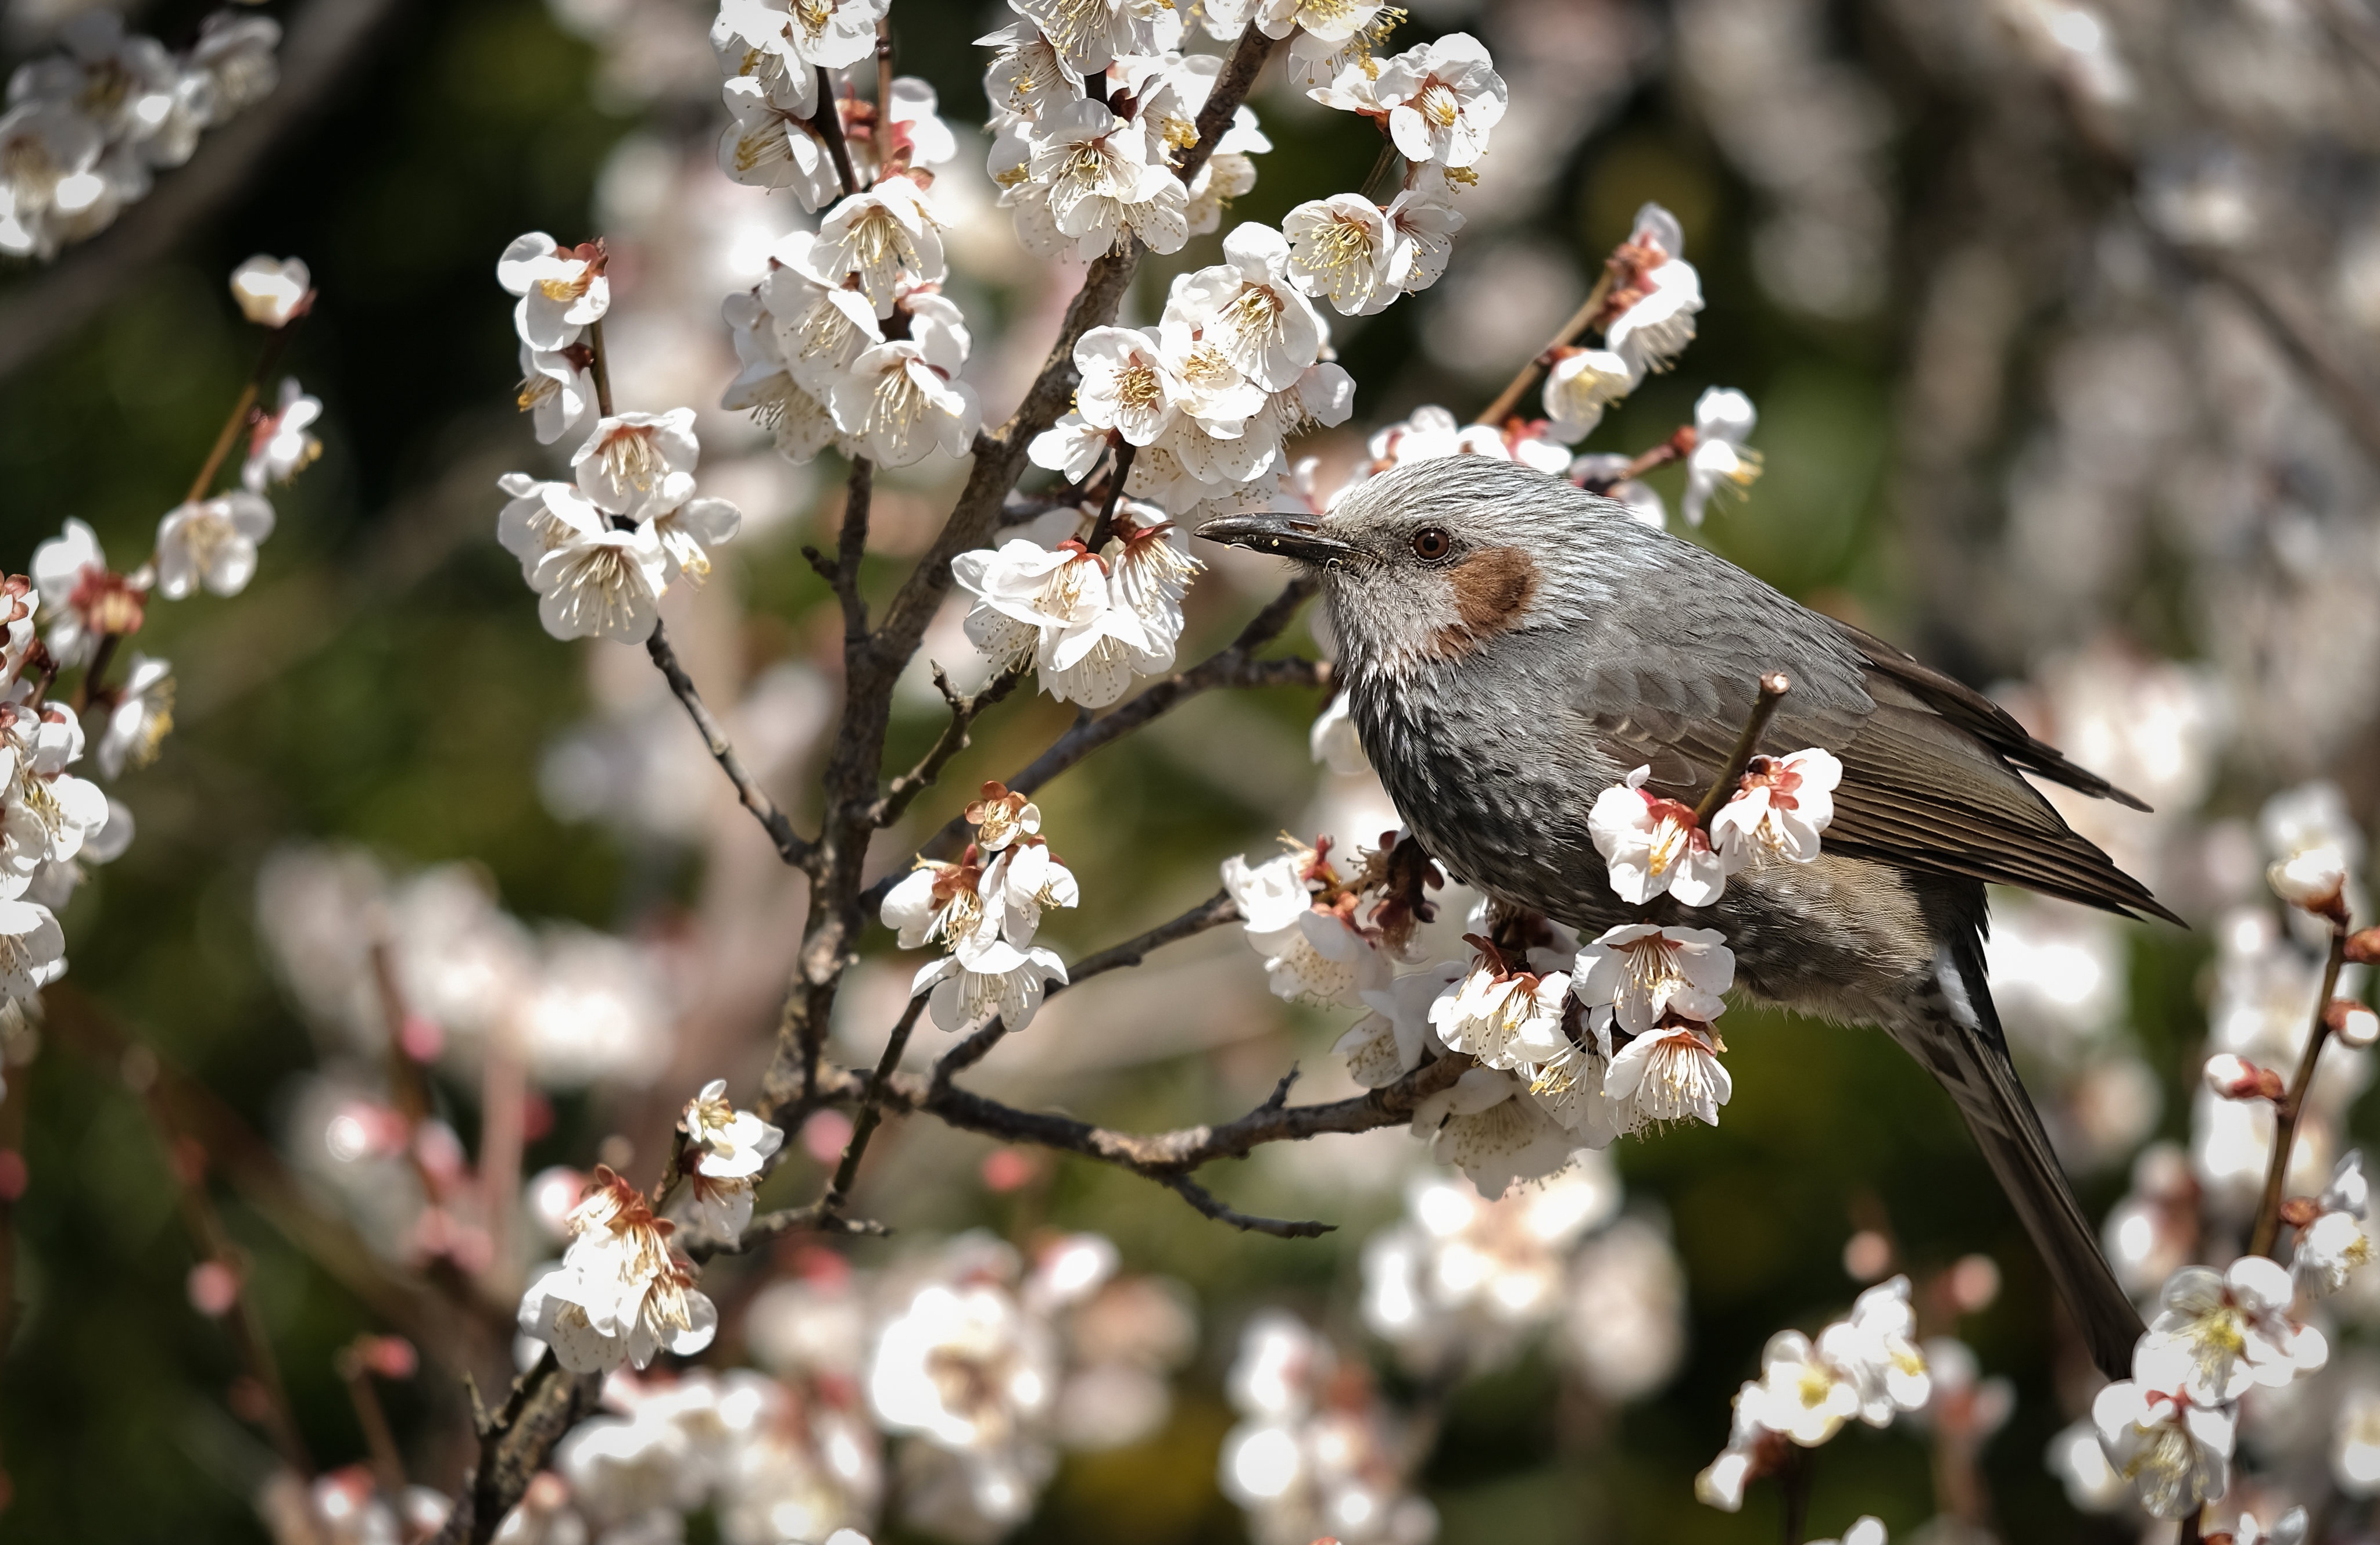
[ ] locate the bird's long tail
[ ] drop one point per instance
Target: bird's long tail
(1955, 1033)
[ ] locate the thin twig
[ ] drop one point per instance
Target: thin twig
(851, 546)
(380, 1441)
(599, 364)
(1214, 912)
(1773, 688)
(2289, 1106)
(1526, 376)
(545, 1402)
(266, 358)
(872, 1111)
(768, 1227)
(790, 845)
(1103, 529)
(827, 121)
(1235, 665)
(1208, 1202)
(965, 710)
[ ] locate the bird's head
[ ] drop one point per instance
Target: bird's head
(1433, 561)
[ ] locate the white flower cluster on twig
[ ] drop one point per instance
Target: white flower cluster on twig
(983, 911)
(88, 128)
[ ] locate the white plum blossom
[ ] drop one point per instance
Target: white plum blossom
(1719, 460)
(1668, 1074)
(140, 717)
(2331, 1247)
(601, 582)
(1060, 610)
(562, 292)
(281, 445)
(1875, 1348)
(1103, 183)
(900, 401)
(619, 1295)
(1127, 385)
(2175, 1451)
(767, 144)
(2230, 1331)
(1443, 99)
(1339, 248)
(1582, 383)
(988, 976)
(886, 236)
(941, 904)
(1002, 817)
(271, 292)
(556, 390)
(1504, 1019)
(1333, 741)
(33, 950)
(1487, 1125)
(1778, 810)
(1638, 972)
(728, 1149)
(639, 463)
(1800, 1395)
(974, 1373)
(689, 533)
(1392, 1040)
(211, 543)
(1422, 221)
(1088, 35)
(1249, 309)
(71, 573)
(1652, 846)
(1658, 298)
(1023, 878)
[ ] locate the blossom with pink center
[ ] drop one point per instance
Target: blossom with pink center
(1652, 846)
(1443, 99)
(1668, 1074)
(1637, 973)
(1779, 808)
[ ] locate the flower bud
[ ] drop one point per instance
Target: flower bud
(2235, 1078)
(271, 293)
(2314, 879)
(2363, 947)
(2351, 1022)
(2299, 1210)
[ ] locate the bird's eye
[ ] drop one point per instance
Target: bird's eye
(1430, 544)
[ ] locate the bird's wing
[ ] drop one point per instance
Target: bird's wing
(1930, 779)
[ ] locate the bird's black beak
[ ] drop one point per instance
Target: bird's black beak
(1297, 537)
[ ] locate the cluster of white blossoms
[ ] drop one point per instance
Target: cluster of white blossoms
(88, 128)
(766, 1457)
(1464, 1283)
(1087, 623)
(1573, 1044)
(983, 911)
(621, 1293)
(1866, 1366)
(73, 612)
(1316, 1453)
(602, 550)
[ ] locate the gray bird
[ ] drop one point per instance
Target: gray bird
(1513, 645)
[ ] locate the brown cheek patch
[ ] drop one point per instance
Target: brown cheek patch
(1491, 589)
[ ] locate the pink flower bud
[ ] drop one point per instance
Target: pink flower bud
(214, 1288)
(2351, 1022)
(2235, 1078)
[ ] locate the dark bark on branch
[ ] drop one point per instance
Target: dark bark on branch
(965, 711)
(545, 1402)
